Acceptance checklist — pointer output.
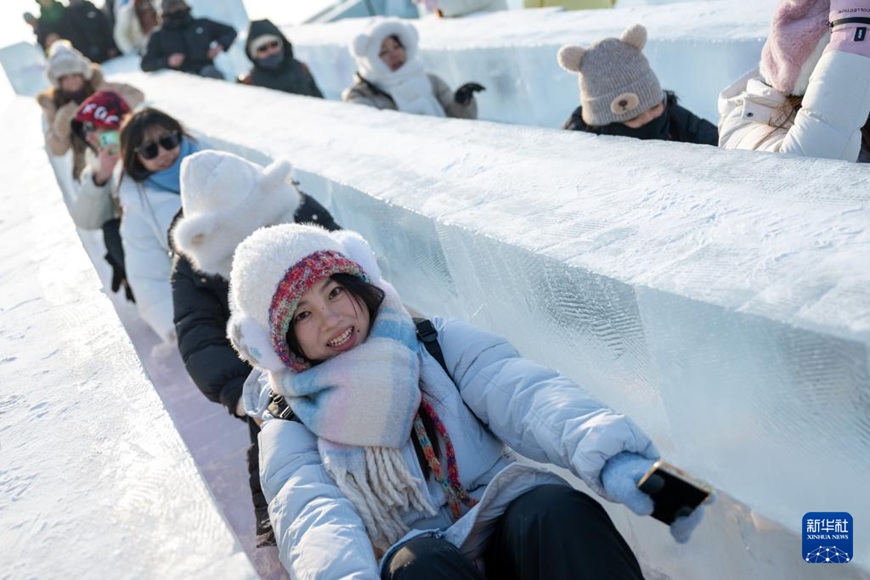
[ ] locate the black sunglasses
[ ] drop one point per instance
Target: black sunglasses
(149, 151)
(268, 46)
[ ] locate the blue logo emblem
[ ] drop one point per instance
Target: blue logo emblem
(827, 538)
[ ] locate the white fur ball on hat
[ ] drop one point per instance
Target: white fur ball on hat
(366, 46)
(271, 269)
(226, 198)
(64, 60)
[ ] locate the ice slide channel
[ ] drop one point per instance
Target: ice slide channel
(720, 298)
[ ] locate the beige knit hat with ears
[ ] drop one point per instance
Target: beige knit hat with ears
(616, 81)
(63, 60)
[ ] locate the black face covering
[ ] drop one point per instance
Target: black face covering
(78, 96)
(177, 19)
(658, 128)
(272, 62)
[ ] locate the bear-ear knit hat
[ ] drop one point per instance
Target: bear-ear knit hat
(616, 81)
(63, 60)
(226, 198)
(366, 45)
(272, 269)
(799, 33)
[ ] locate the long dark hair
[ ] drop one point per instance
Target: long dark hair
(133, 135)
(370, 295)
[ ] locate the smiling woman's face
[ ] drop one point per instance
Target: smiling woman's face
(329, 320)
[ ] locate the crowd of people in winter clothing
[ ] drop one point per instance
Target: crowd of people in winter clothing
(378, 441)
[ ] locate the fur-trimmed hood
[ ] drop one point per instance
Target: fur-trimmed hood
(225, 199)
(367, 44)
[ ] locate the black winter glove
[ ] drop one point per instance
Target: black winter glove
(119, 278)
(465, 93)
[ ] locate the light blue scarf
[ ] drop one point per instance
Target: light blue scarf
(170, 179)
(361, 405)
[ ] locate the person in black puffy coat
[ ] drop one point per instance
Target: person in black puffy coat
(185, 43)
(225, 198)
(90, 31)
(620, 94)
(274, 65)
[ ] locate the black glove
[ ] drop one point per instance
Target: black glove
(119, 278)
(466, 92)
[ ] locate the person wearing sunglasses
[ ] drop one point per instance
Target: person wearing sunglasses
(274, 65)
(153, 145)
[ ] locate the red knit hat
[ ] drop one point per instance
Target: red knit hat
(103, 109)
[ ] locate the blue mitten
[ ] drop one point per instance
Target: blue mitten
(619, 478)
(682, 528)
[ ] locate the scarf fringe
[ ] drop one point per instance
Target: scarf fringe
(382, 493)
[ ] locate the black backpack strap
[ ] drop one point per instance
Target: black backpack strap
(427, 334)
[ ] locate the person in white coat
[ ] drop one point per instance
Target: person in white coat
(810, 95)
(153, 145)
(392, 456)
(390, 75)
(94, 202)
(134, 22)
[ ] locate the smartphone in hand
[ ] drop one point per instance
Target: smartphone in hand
(674, 493)
(110, 140)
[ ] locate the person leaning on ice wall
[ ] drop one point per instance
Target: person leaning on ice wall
(153, 145)
(94, 203)
(381, 461)
(620, 94)
(73, 79)
(225, 198)
(390, 75)
(274, 65)
(810, 95)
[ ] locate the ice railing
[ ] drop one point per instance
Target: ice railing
(721, 299)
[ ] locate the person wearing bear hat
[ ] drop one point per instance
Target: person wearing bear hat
(185, 43)
(94, 204)
(391, 454)
(810, 95)
(73, 79)
(391, 76)
(274, 65)
(620, 94)
(224, 198)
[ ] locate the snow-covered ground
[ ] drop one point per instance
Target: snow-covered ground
(719, 298)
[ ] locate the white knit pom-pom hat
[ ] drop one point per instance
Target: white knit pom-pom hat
(271, 271)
